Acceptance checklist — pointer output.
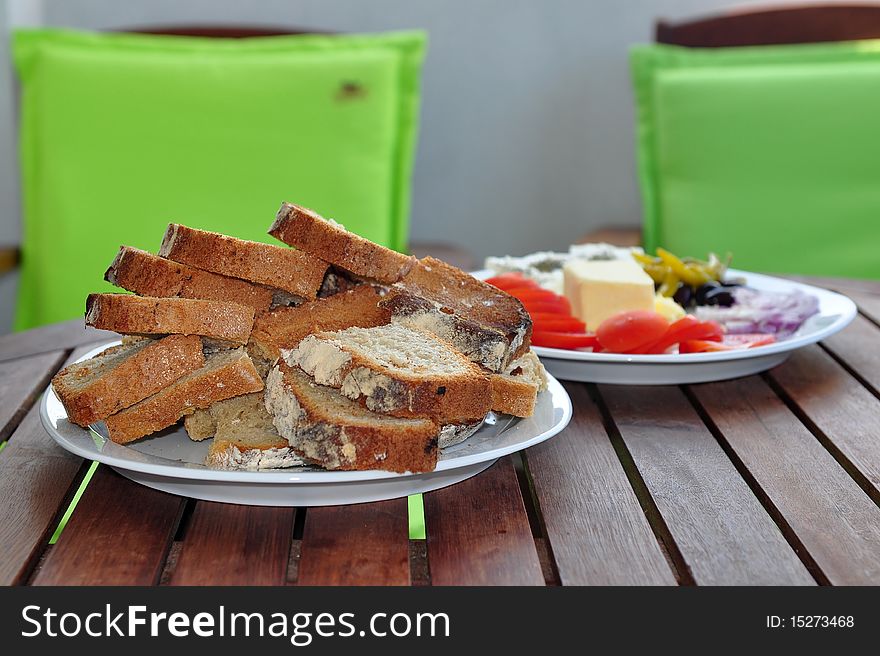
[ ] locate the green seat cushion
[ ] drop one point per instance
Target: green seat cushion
(123, 133)
(771, 153)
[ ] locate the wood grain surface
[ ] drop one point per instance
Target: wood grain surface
(227, 544)
(597, 529)
(22, 380)
(479, 534)
(695, 486)
(858, 345)
(37, 479)
(363, 544)
(68, 334)
(119, 534)
(835, 521)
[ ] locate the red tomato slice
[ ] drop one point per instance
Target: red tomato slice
(730, 343)
(529, 294)
(686, 328)
(554, 306)
(629, 330)
(558, 322)
(749, 340)
(508, 281)
(563, 340)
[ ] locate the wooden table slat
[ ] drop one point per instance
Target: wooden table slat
(119, 534)
(836, 522)
(36, 478)
(722, 531)
(364, 544)
(228, 544)
(858, 345)
(21, 382)
(868, 301)
(598, 532)
(478, 532)
(844, 411)
(67, 334)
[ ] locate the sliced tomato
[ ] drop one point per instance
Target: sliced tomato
(563, 340)
(749, 340)
(729, 343)
(549, 306)
(507, 281)
(629, 330)
(560, 322)
(529, 294)
(686, 328)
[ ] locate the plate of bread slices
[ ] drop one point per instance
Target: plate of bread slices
(333, 372)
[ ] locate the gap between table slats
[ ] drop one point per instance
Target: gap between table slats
(37, 480)
(362, 544)
(695, 487)
(226, 544)
(597, 531)
(21, 382)
(830, 517)
(479, 534)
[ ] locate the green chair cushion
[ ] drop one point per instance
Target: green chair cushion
(771, 153)
(123, 133)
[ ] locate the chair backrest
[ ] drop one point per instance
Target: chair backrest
(157, 126)
(767, 152)
(774, 26)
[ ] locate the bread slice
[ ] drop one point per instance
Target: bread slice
(225, 374)
(122, 375)
(287, 269)
(398, 371)
(308, 231)
(327, 429)
(515, 392)
(244, 436)
(283, 328)
(146, 274)
(468, 312)
(143, 315)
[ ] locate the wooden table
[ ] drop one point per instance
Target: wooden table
(772, 479)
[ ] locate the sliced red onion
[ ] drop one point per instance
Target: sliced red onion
(754, 311)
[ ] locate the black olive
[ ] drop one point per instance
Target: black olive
(703, 290)
(684, 295)
(721, 296)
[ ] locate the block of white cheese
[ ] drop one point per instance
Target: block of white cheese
(602, 288)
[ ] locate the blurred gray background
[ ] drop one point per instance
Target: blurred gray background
(527, 135)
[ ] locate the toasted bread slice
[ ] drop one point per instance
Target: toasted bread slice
(308, 231)
(292, 271)
(468, 312)
(143, 315)
(515, 391)
(225, 374)
(398, 371)
(122, 375)
(327, 429)
(146, 274)
(244, 436)
(283, 328)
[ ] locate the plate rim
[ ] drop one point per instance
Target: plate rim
(784, 346)
(189, 471)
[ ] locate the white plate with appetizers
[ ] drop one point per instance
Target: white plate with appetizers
(836, 311)
(171, 462)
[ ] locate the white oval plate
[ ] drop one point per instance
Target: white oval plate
(171, 462)
(836, 311)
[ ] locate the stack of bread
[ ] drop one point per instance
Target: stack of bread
(338, 352)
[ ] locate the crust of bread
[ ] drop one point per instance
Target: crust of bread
(513, 395)
(232, 373)
(482, 344)
(293, 271)
(309, 231)
(151, 366)
(355, 439)
(146, 274)
(283, 328)
(449, 398)
(143, 315)
(230, 454)
(456, 292)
